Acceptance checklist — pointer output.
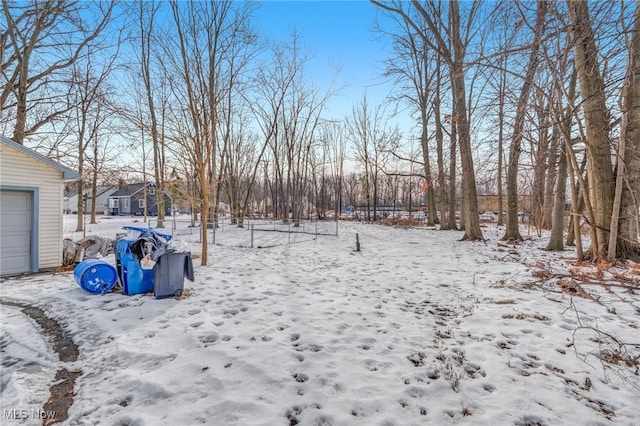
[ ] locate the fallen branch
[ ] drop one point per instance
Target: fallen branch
(614, 355)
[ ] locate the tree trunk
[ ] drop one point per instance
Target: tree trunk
(623, 239)
(512, 232)
(444, 223)
(424, 140)
(472, 229)
(452, 173)
(580, 184)
(452, 46)
(563, 129)
(596, 115)
(631, 191)
(577, 202)
(81, 199)
(553, 163)
(542, 169)
(557, 219)
(501, 124)
(146, 30)
(94, 183)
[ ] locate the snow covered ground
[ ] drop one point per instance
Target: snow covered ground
(417, 328)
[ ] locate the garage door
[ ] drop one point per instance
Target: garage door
(15, 229)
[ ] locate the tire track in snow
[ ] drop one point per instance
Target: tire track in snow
(61, 399)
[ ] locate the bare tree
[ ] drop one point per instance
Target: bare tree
(197, 65)
(512, 231)
(61, 29)
(238, 167)
(146, 20)
(288, 110)
(333, 147)
(273, 87)
(597, 125)
(412, 65)
(372, 141)
(90, 95)
(443, 195)
(623, 239)
(450, 41)
(565, 113)
(563, 121)
(300, 120)
(337, 157)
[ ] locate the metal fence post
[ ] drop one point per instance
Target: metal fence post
(252, 235)
(289, 232)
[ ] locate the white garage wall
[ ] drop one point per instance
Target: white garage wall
(20, 170)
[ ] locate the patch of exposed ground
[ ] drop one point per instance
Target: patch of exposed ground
(62, 343)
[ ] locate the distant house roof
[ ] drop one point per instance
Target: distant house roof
(100, 190)
(129, 189)
(67, 173)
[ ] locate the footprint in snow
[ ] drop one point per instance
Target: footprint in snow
(416, 392)
(489, 387)
(292, 415)
(323, 420)
(474, 370)
(530, 420)
(300, 377)
(315, 348)
(209, 338)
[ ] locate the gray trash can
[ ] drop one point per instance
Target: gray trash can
(169, 273)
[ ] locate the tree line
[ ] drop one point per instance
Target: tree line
(536, 97)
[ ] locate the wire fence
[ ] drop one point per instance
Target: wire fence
(251, 233)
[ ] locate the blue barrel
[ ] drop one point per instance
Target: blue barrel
(95, 276)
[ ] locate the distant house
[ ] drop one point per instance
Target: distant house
(102, 199)
(129, 200)
(31, 194)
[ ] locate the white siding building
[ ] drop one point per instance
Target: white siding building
(31, 192)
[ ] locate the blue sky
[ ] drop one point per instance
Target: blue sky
(334, 32)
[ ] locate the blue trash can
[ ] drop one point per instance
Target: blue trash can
(135, 280)
(121, 248)
(95, 276)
